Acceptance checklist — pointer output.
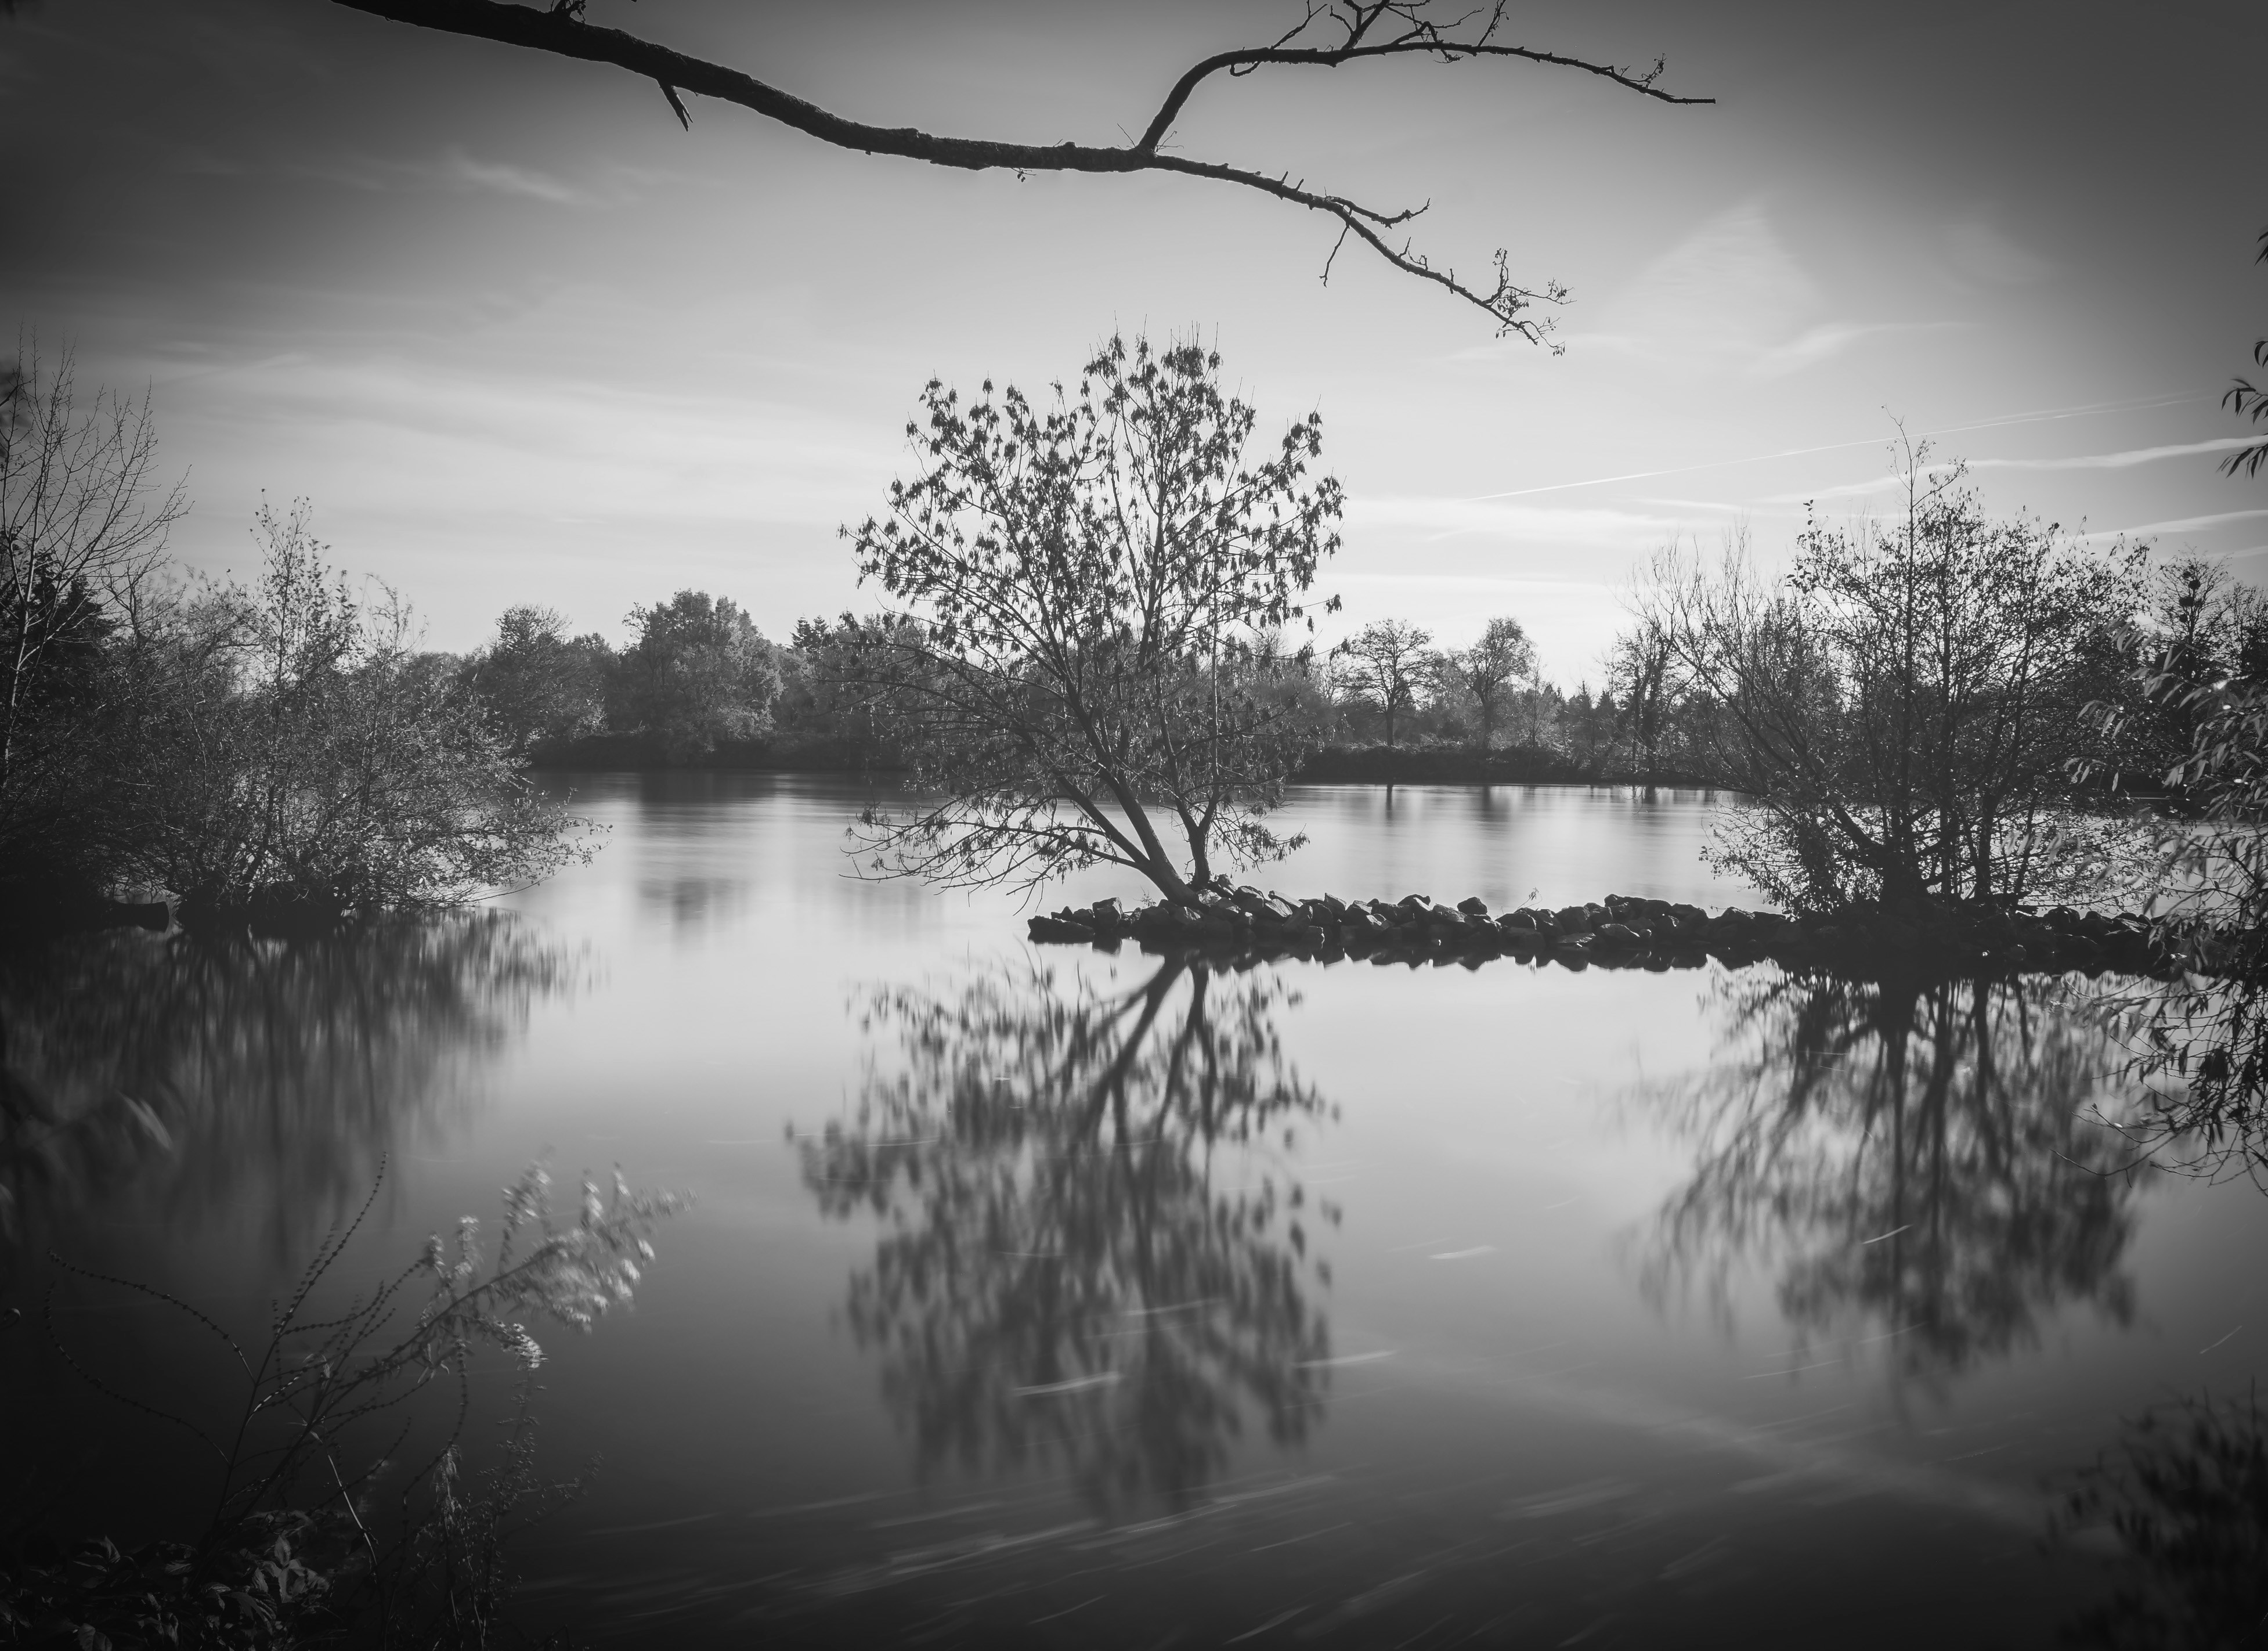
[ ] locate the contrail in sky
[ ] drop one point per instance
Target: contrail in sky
(2048, 416)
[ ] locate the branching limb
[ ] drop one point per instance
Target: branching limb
(1366, 30)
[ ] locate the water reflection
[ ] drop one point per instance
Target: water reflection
(1917, 1163)
(2197, 1048)
(1091, 1258)
(259, 1080)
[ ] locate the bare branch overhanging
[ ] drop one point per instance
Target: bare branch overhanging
(1365, 30)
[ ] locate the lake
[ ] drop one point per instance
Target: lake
(1055, 1297)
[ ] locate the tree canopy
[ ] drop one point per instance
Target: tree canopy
(1907, 703)
(1086, 662)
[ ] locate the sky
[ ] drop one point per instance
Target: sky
(520, 337)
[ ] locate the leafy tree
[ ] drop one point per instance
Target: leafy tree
(1386, 662)
(538, 685)
(699, 672)
(1905, 702)
(1084, 666)
(295, 755)
(1643, 670)
(1503, 656)
(1327, 37)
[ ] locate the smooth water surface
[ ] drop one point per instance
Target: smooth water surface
(1048, 1296)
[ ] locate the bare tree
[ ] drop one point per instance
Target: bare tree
(1502, 657)
(1086, 666)
(1642, 671)
(83, 521)
(1327, 36)
(1385, 661)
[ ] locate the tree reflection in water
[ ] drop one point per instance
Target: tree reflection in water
(2198, 1049)
(257, 1079)
(1067, 1276)
(1918, 1161)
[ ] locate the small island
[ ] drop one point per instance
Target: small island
(1244, 926)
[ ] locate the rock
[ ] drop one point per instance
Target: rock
(1474, 907)
(1572, 920)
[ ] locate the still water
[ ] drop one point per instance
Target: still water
(1041, 1296)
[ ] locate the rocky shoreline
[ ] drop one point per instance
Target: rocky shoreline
(1621, 933)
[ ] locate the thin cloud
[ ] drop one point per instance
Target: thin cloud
(2078, 461)
(502, 178)
(2043, 416)
(1458, 518)
(2185, 524)
(454, 172)
(2116, 461)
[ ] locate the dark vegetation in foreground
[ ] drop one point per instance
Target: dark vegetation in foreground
(349, 1502)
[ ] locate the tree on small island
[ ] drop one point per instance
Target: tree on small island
(1086, 664)
(1905, 705)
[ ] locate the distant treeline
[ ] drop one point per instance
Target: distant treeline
(699, 685)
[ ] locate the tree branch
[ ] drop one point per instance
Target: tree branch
(1367, 31)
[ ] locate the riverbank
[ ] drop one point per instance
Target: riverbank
(1330, 765)
(1619, 931)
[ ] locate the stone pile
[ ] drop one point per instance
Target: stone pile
(1618, 932)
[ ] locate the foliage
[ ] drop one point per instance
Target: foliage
(2196, 693)
(292, 750)
(2185, 1491)
(538, 685)
(1085, 664)
(83, 522)
(2199, 640)
(698, 672)
(2247, 399)
(1905, 703)
(328, 1403)
(1386, 662)
(1642, 670)
(1482, 673)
